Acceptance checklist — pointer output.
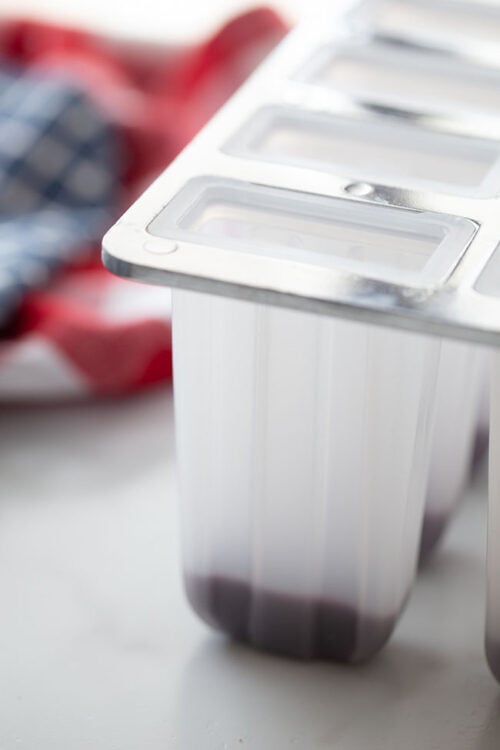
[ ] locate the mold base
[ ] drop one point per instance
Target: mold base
(284, 624)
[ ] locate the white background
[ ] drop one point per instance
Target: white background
(161, 20)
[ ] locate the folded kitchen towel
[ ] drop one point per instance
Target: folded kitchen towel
(85, 124)
(58, 179)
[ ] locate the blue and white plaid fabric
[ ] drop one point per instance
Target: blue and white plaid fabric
(59, 179)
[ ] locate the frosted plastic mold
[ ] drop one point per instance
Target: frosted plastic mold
(304, 423)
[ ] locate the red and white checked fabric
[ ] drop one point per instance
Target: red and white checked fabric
(87, 333)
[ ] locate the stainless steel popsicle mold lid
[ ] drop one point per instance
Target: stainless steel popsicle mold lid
(311, 193)
(291, 197)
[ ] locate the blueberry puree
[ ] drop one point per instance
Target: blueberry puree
(284, 624)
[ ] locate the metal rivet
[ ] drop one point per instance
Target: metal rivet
(160, 246)
(359, 189)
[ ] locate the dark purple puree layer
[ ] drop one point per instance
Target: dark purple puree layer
(493, 656)
(480, 449)
(284, 624)
(435, 524)
(433, 528)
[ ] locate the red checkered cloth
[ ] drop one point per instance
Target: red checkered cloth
(87, 333)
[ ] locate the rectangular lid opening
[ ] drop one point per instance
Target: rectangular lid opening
(393, 152)
(374, 241)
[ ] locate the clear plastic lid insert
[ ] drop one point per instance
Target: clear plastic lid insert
(404, 76)
(330, 233)
(440, 23)
(399, 152)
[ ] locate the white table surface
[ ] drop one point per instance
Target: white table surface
(99, 650)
